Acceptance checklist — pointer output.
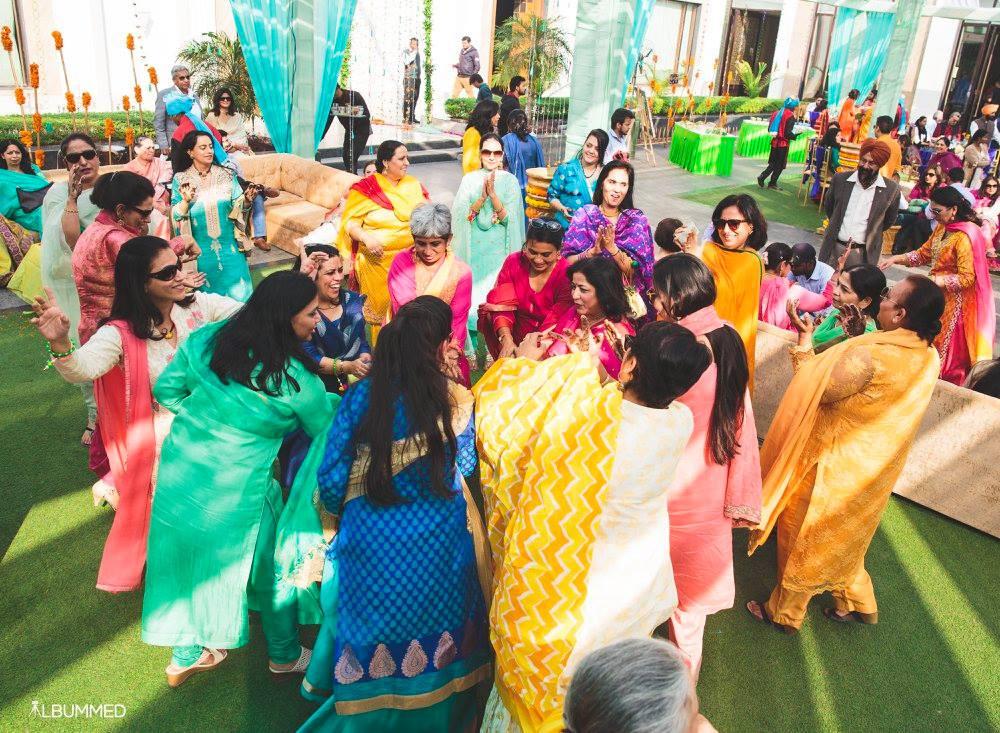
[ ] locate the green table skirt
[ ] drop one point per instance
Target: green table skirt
(704, 154)
(754, 141)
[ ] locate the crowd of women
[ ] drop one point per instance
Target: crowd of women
(472, 556)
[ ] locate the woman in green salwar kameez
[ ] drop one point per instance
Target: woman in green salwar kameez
(238, 389)
(487, 221)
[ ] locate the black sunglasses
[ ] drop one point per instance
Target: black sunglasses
(74, 158)
(144, 213)
(550, 225)
(225, 99)
(167, 274)
(733, 224)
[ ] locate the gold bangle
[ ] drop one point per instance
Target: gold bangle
(71, 211)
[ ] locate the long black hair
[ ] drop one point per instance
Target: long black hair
(924, 305)
(120, 188)
(405, 366)
(867, 281)
(950, 197)
(482, 116)
(615, 165)
(991, 197)
(233, 110)
(684, 283)
(25, 165)
(606, 279)
(669, 359)
(180, 155)
(132, 303)
(261, 335)
(747, 205)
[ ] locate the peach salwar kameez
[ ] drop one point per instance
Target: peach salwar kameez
(704, 500)
(836, 446)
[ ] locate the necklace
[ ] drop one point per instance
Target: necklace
(166, 332)
(588, 176)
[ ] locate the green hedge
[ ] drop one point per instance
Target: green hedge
(461, 108)
(57, 126)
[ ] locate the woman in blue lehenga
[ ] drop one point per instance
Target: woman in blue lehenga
(404, 642)
(574, 181)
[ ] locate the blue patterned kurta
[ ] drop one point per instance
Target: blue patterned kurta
(571, 188)
(407, 617)
(342, 339)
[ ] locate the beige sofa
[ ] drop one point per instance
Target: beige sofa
(308, 190)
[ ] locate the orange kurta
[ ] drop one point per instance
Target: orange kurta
(737, 276)
(895, 156)
(847, 120)
(837, 444)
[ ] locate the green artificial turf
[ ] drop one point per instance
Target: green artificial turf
(930, 665)
(781, 206)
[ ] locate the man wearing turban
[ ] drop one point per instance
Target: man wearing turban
(988, 121)
(860, 205)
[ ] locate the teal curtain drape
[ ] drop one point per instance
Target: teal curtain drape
(904, 34)
(640, 21)
(600, 47)
(264, 28)
(294, 50)
(858, 51)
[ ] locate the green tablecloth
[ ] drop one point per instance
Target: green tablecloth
(754, 141)
(705, 154)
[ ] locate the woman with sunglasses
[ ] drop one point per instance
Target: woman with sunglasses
(487, 219)
(739, 231)
(531, 293)
(22, 189)
(409, 543)
(577, 512)
(126, 203)
(152, 314)
(931, 179)
(204, 197)
(988, 210)
(717, 485)
(226, 117)
(612, 228)
(237, 389)
(66, 211)
(837, 444)
(957, 254)
(430, 267)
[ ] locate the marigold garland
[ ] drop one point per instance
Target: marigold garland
(130, 42)
(19, 96)
(33, 76)
(70, 102)
(85, 101)
(129, 140)
(138, 93)
(109, 131)
(57, 37)
(39, 157)
(152, 76)
(36, 122)
(8, 43)
(26, 140)
(126, 103)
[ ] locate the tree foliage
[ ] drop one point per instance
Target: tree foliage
(533, 47)
(217, 61)
(754, 83)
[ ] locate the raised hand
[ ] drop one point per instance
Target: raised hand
(193, 280)
(52, 323)
(75, 182)
(191, 250)
(852, 320)
(187, 192)
(803, 324)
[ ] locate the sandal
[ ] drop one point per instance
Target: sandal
(210, 658)
(299, 667)
(761, 615)
(869, 619)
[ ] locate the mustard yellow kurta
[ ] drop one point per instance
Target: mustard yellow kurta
(737, 276)
(834, 451)
(392, 226)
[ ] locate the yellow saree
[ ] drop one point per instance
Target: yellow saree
(378, 205)
(737, 276)
(836, 446)
(534, 496)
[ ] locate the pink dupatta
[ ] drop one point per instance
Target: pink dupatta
(743, 484)
(125, 414)
(981, 347)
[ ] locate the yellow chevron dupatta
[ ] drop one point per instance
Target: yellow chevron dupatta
(546, 434)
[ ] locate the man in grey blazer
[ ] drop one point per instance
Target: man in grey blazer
(860, 205)
(163, 125)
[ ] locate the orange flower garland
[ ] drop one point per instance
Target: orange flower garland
(26, 140)
(152, 76)
(39, 157)
(130, 45)
(126, 103)
(19, 96)
(36, 122)
(33, 76)
(85, 101)
(130, 42)
(129, 140)
(8, 43)
(70, 102)
(138, 94)
(57, 37)
(109, 132)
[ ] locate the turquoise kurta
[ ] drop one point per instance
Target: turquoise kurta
(11, 204)
(571, 188)
(225, 267)
(217, 503)
(483, 243)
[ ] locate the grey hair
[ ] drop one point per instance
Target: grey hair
(431, 220)
(141, 139)
(178, 67)
(631, 686)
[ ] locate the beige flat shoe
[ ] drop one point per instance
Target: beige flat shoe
(299, 666)
(210, 658)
